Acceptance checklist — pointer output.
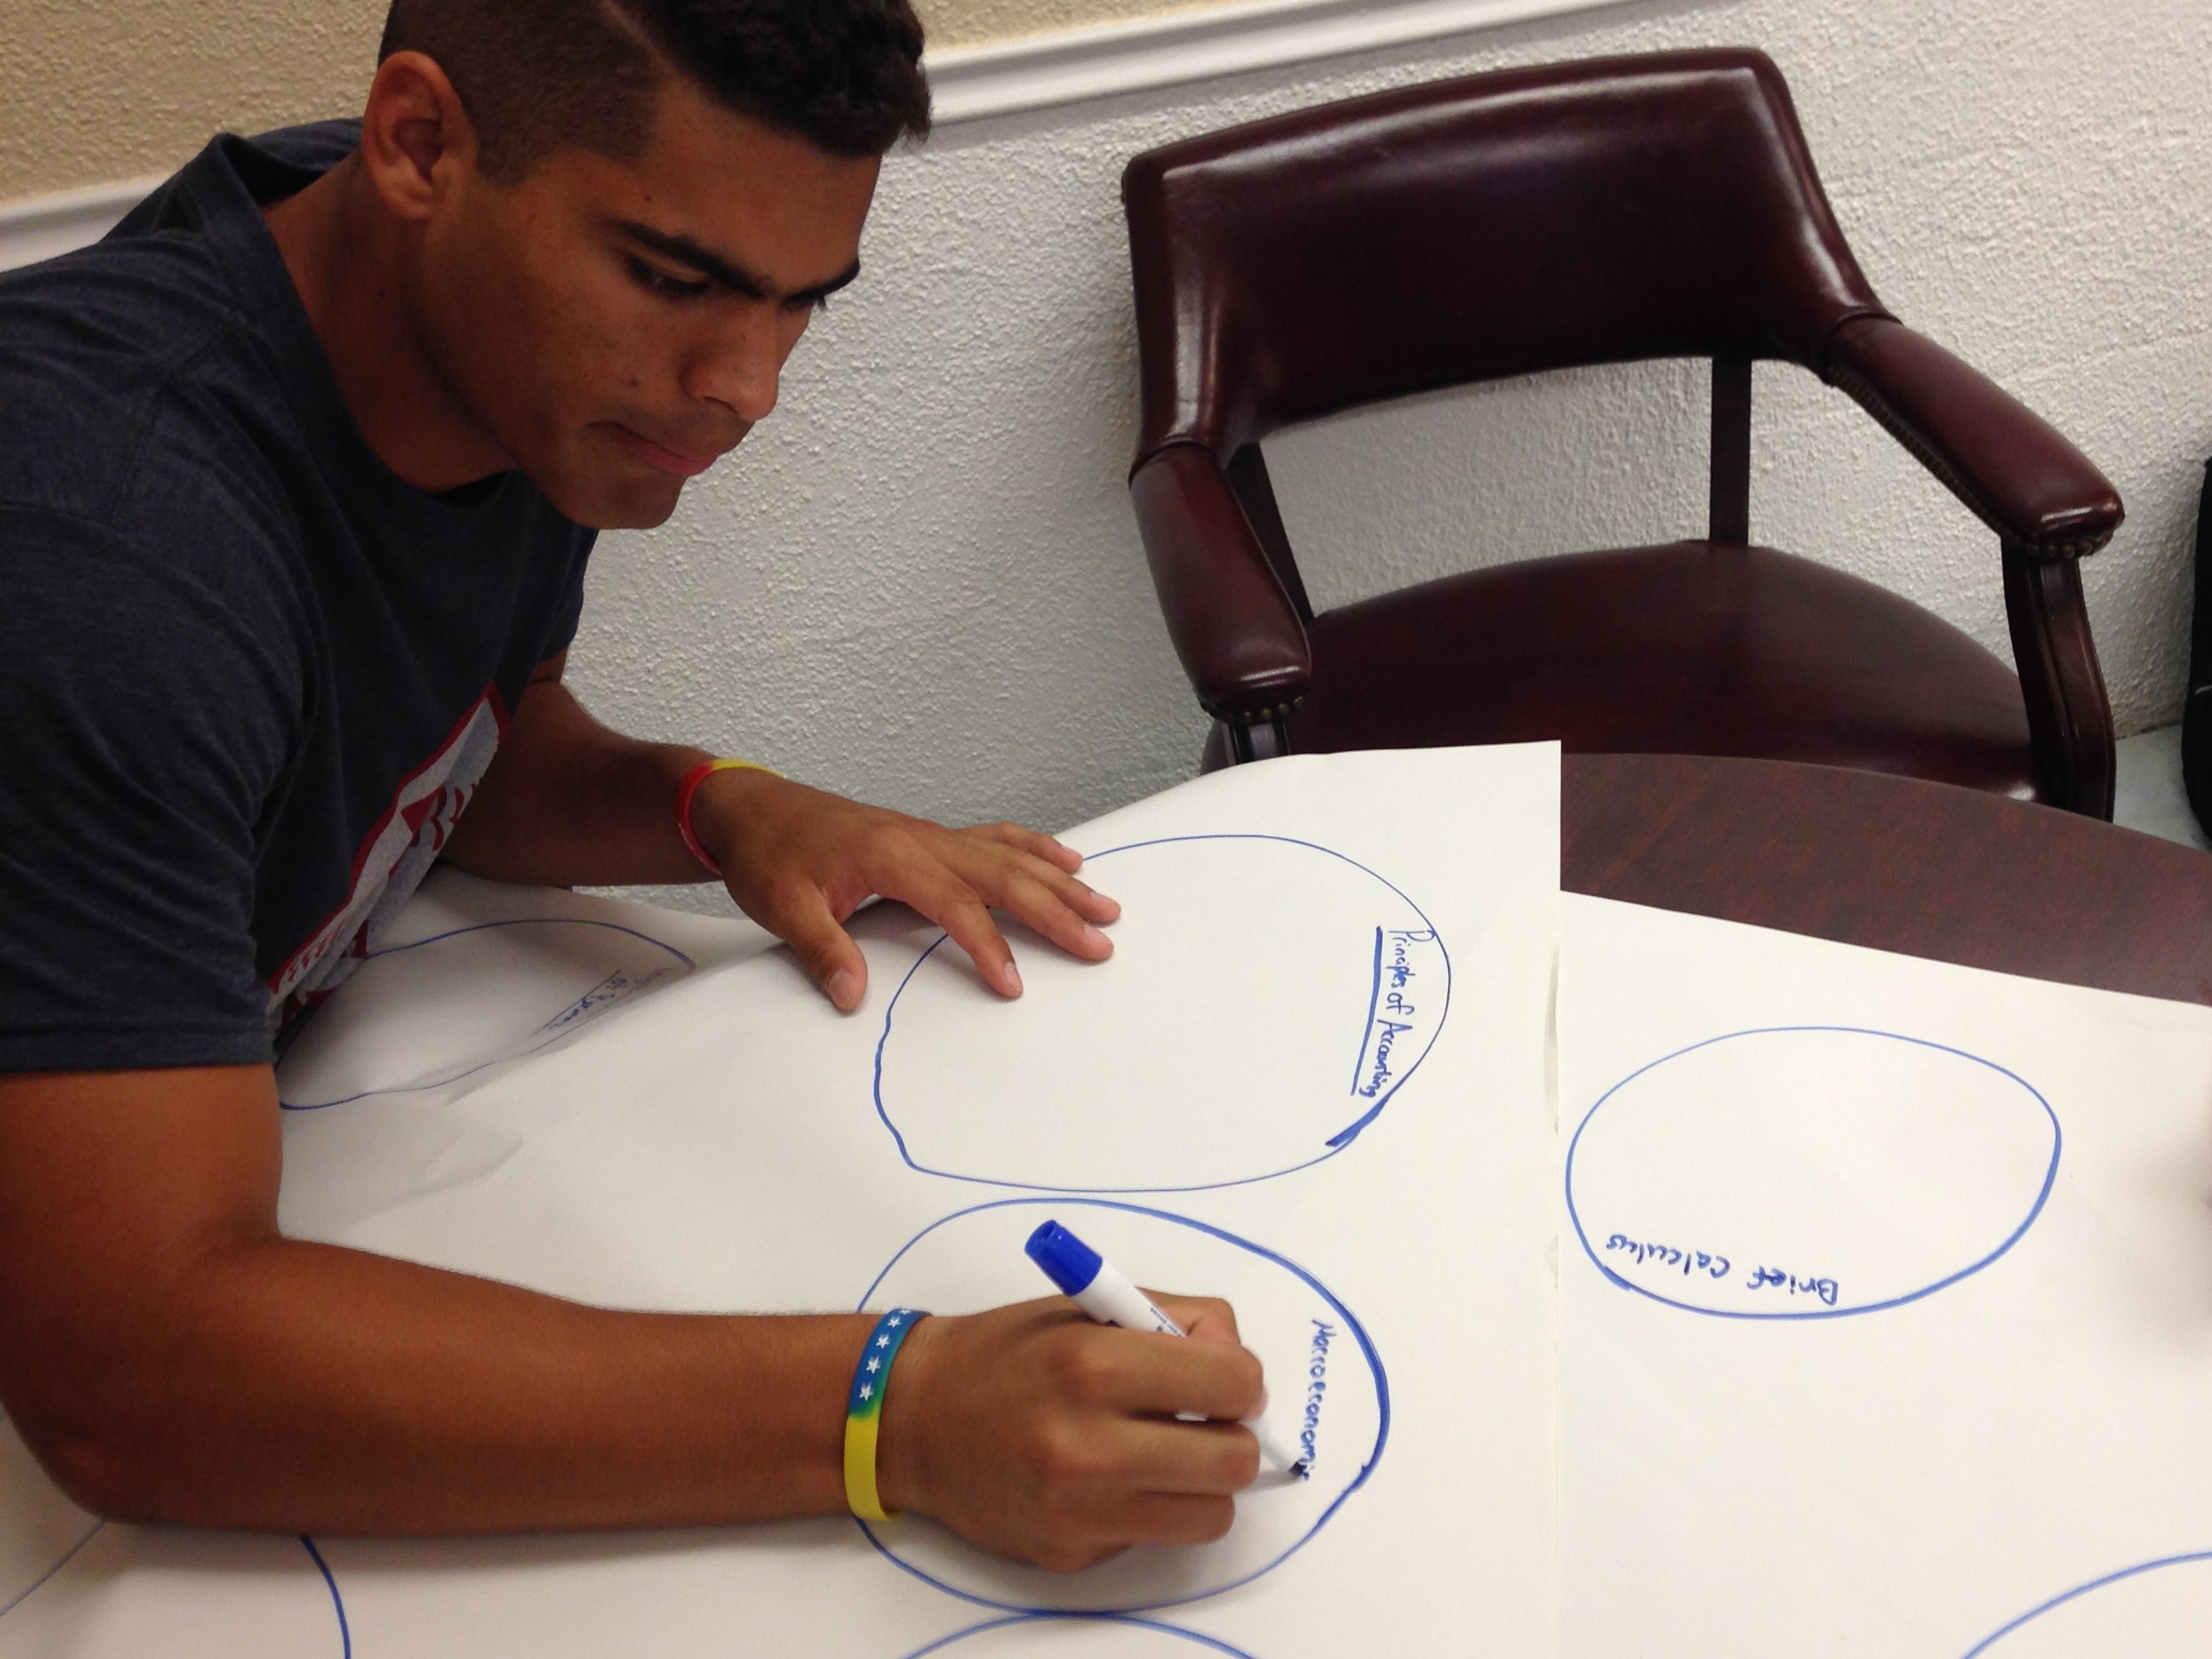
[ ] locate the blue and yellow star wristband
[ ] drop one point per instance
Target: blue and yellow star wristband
(864, 1410)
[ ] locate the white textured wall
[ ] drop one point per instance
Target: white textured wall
(93, 92)
(920, 582)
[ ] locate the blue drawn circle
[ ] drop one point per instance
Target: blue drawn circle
(544, 1036)
(337, 1601)
(330, 1582)
(37, 1584)
(1356, 1122)
(1151, 1626)
(1786, 1312)
(1350, 1323)
(1988, 1642)
(41, 1528)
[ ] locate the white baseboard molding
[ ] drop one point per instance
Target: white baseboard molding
(971, 82)
(41, 227)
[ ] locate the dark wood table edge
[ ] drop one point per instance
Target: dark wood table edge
(1898, 864)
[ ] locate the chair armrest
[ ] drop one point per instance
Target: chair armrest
(2020, 477)
(1234, 626)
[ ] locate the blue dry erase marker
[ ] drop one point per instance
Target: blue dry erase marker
(1089, 1281)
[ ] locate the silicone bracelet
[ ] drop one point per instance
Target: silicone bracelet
(864, 1410)
(689, 787)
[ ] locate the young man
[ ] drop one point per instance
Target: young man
(296, 473)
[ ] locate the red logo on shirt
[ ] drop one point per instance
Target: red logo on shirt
(393, 858)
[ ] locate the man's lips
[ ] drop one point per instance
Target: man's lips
(682, 464)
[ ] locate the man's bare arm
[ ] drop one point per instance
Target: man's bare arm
(173, 1358)
(570, 802)
(170, 1358)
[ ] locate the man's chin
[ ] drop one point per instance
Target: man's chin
(610, 504)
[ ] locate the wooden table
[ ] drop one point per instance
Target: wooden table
(1894, 863)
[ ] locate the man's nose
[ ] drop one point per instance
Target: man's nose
(738, 367)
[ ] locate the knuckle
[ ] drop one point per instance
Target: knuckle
(894, 843)
(1243, 1461)
(1214, 1517)
(1251, 1375)
(1069, 1557)
(1064, 1457)
(1086, 1367)
(1025, 888)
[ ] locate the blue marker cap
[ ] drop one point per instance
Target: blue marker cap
(1067, 1260)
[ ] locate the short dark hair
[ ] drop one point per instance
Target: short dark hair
(845, 75)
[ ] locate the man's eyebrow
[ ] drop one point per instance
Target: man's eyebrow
(728, 272)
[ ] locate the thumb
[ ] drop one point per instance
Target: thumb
(832, 961)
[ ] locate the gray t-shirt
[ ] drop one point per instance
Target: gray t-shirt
(249, 678)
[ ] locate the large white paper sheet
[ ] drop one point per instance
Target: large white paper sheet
(1885, 1304)
(1313, 1079)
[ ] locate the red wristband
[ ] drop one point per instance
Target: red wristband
(689, 787)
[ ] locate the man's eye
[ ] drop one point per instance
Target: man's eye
(654, 280)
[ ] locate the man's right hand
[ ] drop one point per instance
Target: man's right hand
(1031, 1431)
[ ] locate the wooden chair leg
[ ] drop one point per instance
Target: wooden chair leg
(2070, 717)
(1267, 740)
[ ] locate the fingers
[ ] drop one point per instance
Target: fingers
(827, 951)
(1133, 1482)
(1161, 1457)
(1039, 895)
(1034, 843)
(957, 894)
(1052, 864)
(1127, 1481)
(954, 907)
(1206, 1317)
(1148, 1374)
(1092, 1454)
(1079, 896)
(1102, 1532)
(1047, 907)
(1170, 1377)
(1162, 1518)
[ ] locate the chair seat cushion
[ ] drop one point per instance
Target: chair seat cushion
(1690, 648)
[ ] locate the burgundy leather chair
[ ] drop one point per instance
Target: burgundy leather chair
(1603, 211)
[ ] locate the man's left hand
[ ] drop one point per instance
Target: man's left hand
(799, 861)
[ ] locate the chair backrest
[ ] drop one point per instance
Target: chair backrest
(1659, 206)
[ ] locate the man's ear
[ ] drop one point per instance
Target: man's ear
(415, 137)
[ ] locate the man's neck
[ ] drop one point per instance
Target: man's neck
(349, 258)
